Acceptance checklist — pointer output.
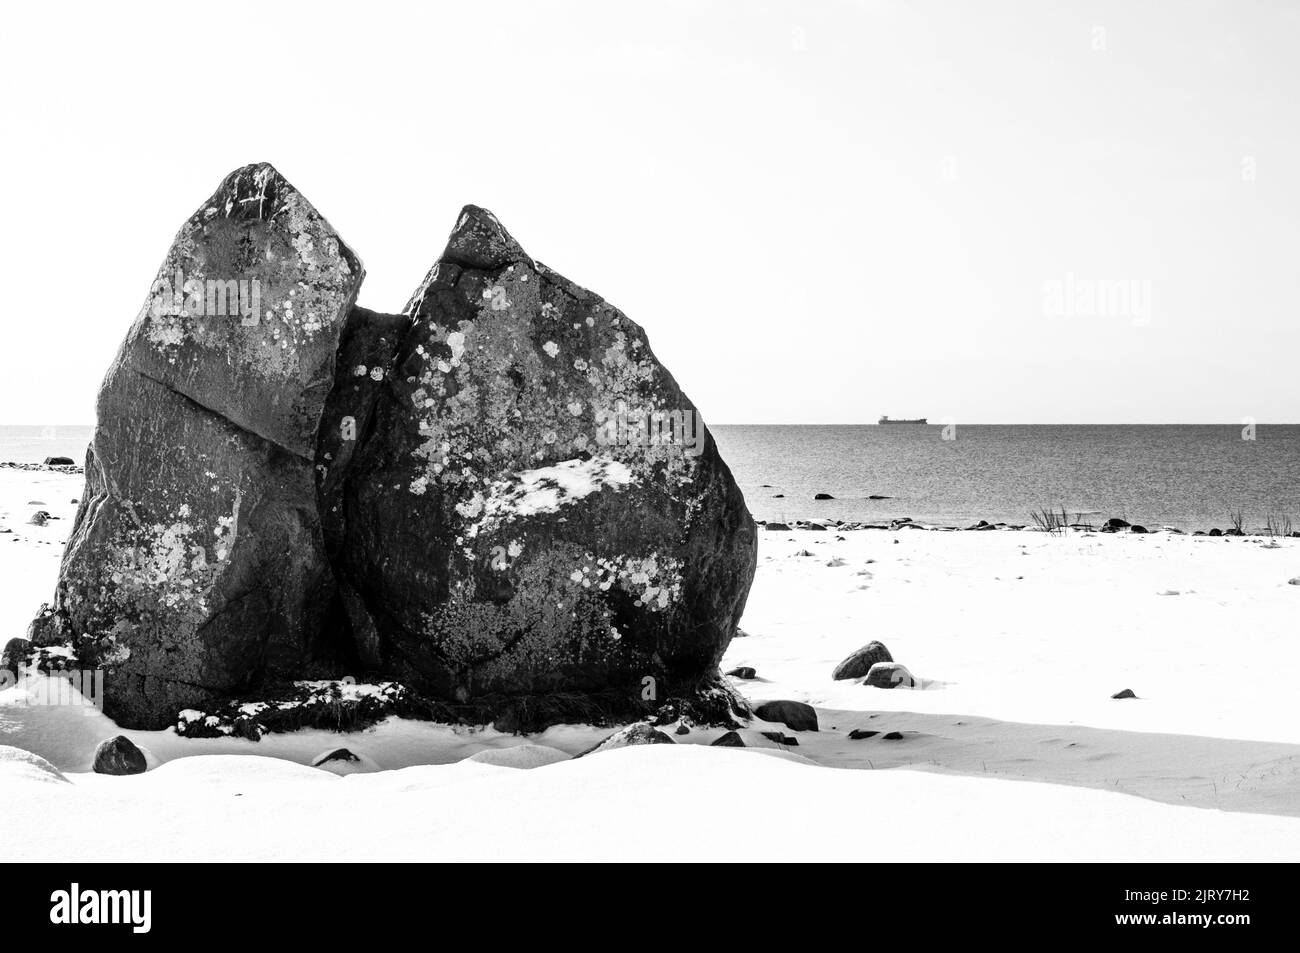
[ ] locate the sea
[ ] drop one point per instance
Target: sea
(1188, 477)
(1185, 476)
(21, 443)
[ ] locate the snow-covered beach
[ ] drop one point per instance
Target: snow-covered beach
(1011, 749)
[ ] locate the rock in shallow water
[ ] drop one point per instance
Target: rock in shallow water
(499, 494)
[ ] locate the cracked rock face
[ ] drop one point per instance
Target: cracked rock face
(499, 493)
(196, 563)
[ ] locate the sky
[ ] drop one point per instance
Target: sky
(820, 211)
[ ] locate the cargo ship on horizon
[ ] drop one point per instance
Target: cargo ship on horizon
(886, 420)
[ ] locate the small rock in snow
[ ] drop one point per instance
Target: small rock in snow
(343, 761)
(794, 715)
(859, 663)
(890, 675)
(119, 756)
(642, 733)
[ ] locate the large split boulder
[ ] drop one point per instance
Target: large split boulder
(196, 566)
(498, 496)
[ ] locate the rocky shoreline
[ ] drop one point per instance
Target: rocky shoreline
(43, 467)
(1110, 526)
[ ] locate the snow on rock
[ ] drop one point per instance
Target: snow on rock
(342, 761)
(889, 675)
(17, 764)
(219, 774)
(546, 489)
(520, 756)
(638, 734)
(342, 705)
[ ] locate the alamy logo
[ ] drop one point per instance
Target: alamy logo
(650, 428)
(65, 688)
(76, 906)
(194, 297)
